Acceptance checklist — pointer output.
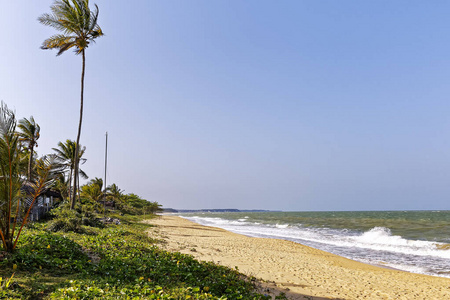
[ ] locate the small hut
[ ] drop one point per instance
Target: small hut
(43, 203)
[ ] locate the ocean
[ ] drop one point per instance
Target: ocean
(413, 241)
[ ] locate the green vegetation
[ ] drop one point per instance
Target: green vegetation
(75, 254)
(66, 153)
(15, 205)
(135, 205)
(116, 262)
(28, 135)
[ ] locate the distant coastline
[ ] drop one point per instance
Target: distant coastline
(221, 210)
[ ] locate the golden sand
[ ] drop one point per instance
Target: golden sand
(299, 271)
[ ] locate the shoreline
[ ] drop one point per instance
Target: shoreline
(367, 263)
(299, 271)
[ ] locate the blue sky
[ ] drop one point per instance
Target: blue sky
(288, 105)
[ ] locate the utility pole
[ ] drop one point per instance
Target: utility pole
(106, 161)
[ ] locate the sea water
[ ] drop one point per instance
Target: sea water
(414, 241)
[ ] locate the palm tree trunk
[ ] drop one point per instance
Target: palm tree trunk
(77, 146)
(78, 187)
(29, 164)
(70, 184)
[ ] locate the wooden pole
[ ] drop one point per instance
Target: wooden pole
(106, 161)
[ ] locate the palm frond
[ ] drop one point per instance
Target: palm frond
(10, 172)
(83, 174)
(77, 23)
(48, 170)
(7, 122)
(61, 42)
(52, 20)
(93, 19)
(67, 17)
(29, 131)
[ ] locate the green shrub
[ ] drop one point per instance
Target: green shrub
(66, 220)
(70, 220)
(91, 220)
(49, 251)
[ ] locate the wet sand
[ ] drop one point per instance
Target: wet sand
(297, 270)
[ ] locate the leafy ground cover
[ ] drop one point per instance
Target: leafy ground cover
(115, 262)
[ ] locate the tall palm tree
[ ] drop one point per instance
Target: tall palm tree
(29, 134)
(79, 28)
(66, 153)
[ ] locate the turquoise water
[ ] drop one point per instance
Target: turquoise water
(415, 241)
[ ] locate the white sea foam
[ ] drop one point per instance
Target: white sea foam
(282, 226)
(380, 238)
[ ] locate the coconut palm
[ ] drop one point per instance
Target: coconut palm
(116, 194)
(114, 191)
(66, 153)
(93, 190)
(29, 134)
(10, 174)
(97, 182)
(92, 195)
(12, 179)
(79, 28)
(62, 186)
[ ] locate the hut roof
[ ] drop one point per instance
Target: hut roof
(46, 192)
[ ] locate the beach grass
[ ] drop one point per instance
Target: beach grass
(116, 262)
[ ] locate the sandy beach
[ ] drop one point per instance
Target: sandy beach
(299, 271)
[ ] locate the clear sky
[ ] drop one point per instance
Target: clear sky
(284, 105)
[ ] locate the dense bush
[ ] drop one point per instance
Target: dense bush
(48, 251)
(66, 220)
